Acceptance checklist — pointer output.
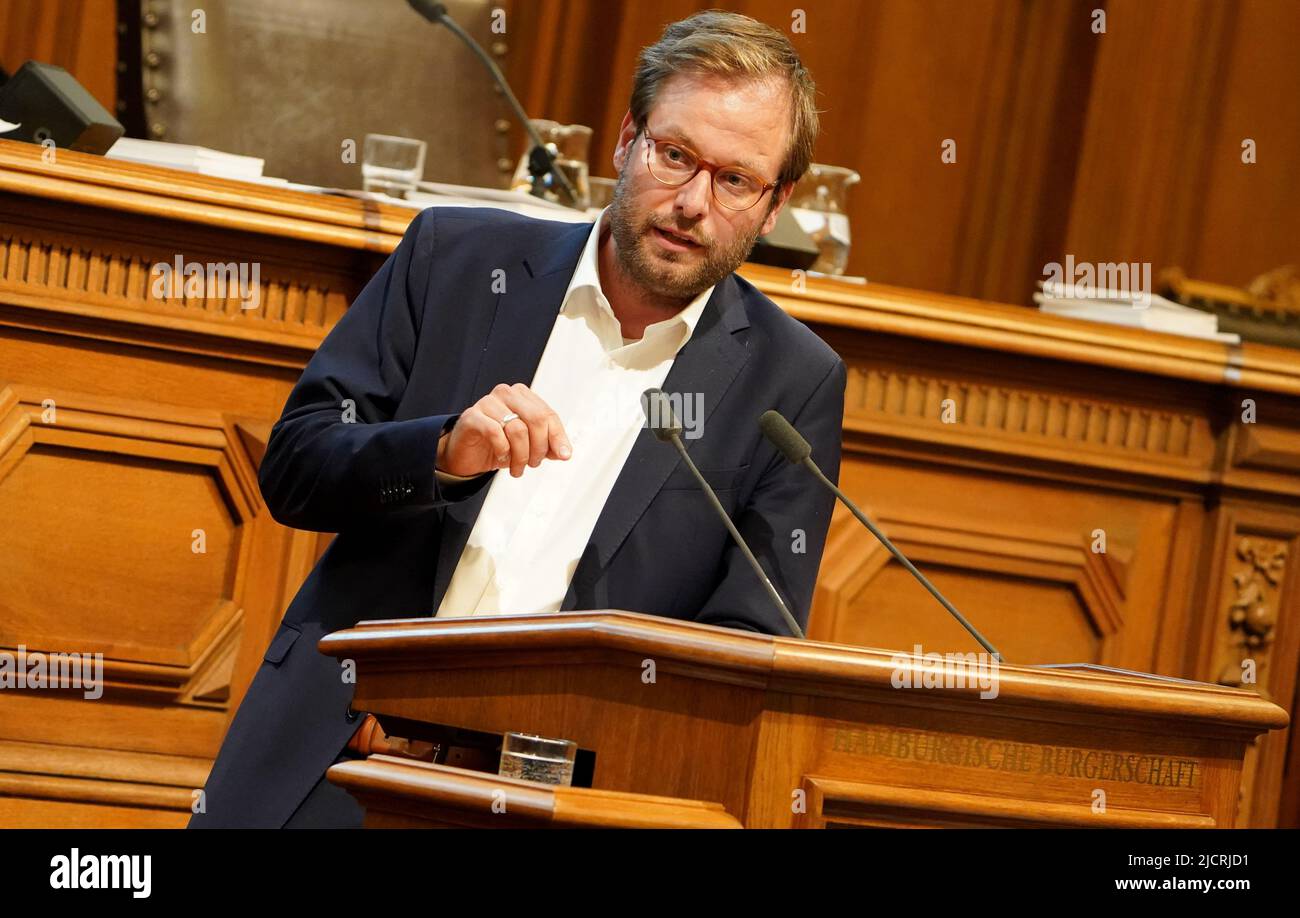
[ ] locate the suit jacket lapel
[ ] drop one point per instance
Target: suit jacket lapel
(707, 363)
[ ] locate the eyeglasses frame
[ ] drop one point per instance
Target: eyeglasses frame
(702, 164)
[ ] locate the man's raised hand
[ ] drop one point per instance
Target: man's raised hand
(480, 443)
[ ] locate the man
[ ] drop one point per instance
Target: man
(594, 512)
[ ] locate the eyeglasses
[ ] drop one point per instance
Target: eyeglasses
(675, 164)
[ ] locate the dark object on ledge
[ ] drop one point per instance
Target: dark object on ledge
(1268, 311)
(47, 103)
(787, 246)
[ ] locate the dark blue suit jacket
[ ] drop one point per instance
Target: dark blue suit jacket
(430, 335)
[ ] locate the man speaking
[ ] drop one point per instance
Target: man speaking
(490, 341)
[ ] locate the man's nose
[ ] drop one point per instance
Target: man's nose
(693, 197)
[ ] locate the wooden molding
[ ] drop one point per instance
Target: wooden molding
(401, 792)
(841, 803)
(853, 559)
(757, 660)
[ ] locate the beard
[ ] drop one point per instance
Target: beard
(674, 276)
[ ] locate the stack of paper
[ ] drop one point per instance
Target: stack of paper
(1136, 310)
(187, 157)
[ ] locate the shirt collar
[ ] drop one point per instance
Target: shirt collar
(587, 279)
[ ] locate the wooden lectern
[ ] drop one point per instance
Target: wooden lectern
(695, 725)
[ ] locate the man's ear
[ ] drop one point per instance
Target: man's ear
(780, 195)
(626, 134)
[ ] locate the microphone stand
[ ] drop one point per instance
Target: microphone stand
(541, 160)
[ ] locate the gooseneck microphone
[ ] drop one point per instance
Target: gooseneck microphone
(663, 421)
(795, 448)
(540, 160)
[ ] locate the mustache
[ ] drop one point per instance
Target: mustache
(685, 234)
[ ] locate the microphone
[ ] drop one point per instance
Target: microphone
(541, 160)
(430, 11)
(795, 448)
(663, 421)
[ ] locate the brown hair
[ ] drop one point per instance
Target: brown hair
(731, 45)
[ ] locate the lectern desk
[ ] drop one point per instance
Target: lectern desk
(779, 732)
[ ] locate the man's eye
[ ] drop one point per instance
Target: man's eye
(674, 155)
(735, 181)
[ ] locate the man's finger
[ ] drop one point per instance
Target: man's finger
(488, 413)
(555, 443)
(520, 444)
(545, 428)
(530, 407)
(560, 448)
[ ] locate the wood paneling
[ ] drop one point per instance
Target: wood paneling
(1115, 147)
(1007, 82)
(130, 427)
(78, 35)
(991, 441)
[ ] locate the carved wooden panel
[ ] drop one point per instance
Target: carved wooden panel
(131, 427)
(130, 550)
(212, 283)
(1063, 583)
(1250, 637)
(948, 405)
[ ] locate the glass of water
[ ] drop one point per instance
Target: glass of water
(820, 204)
(536, 758)
(392, 165)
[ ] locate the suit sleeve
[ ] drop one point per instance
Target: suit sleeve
(785, 524)
(337, 457)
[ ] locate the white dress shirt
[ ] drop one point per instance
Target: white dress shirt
(532, 530)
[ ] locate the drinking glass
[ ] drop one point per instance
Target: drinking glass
(393, 165)
(820, 205)
(536, 758)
